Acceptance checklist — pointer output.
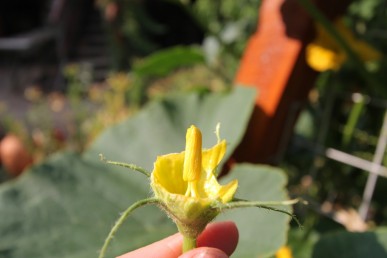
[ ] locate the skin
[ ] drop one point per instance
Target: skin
(218, 240)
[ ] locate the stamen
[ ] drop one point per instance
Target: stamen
(192, 190)
(193, 155)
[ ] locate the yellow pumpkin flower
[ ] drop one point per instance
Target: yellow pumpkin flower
(187, 186)
(324, 53)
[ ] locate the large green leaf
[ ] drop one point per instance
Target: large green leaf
(66, 206)
(262, 232)
(162, 126)
(352, 245)
(165, 61)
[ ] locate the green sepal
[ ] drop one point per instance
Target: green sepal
(268, 205)
(126, 165)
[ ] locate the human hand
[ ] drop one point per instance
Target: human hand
(218, 240)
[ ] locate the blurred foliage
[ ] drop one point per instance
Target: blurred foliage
(345, 112)
(58, 121)
(222, 27)
(174, 69)
(227, 25)
(353, 245)
(367, 21)
(163, 62)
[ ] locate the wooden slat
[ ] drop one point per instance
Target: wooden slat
(274, 63)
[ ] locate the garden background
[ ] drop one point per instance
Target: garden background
(298, 86)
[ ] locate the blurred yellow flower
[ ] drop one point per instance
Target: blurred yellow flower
(324, 53)
(120, 82)
(284, 252)
(187, 186)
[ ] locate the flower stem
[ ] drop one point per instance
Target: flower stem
(126, 165)
(188, 243)
(121, 220)
(239, 203)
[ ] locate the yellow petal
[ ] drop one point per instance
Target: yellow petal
(284, 252)
(168, 170)
(322, 59)
(212, 157)
(227, 192)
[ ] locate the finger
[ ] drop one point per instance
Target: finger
(204, 252)
(221, 235)
(165, 248)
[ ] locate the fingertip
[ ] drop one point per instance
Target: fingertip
(204, 252)
(167, 247)
(218, 240)
(221, 235)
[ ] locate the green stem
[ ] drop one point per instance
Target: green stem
(353, 119)
(126, 165)
(121, 220)
(273, 203)
(238, 203)
(188, 243)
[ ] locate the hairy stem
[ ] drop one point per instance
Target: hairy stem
(237, 203)
(126, 165)
(188, 243)
(121, 220)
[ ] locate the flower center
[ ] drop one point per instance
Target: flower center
(192, 160)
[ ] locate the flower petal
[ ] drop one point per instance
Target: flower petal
(321, 58)
(168, 171)
(212, 157)
(227, 192)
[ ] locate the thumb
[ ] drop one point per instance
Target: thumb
(204, 252)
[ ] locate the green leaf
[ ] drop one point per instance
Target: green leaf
(165, 61)
(67, 205)
(262, 232)
(365, 9)
(353, 119)
(352, 245)
(162, 126)
(302, 242)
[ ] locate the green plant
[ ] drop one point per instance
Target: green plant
(72, 198)
(226, 25)
(345, 113)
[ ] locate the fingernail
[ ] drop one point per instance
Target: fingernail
(207, 253)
